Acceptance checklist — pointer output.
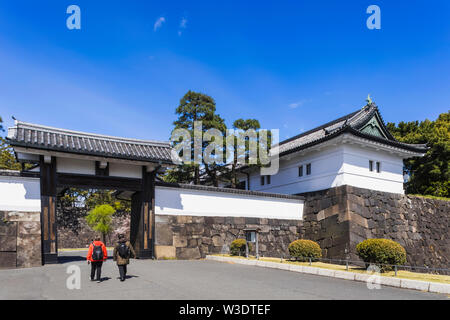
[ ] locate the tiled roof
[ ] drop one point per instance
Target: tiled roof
(352, 123)
(53, 139)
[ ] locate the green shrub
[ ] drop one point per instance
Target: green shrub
(381, 251)
(237, 247)
(305, 249)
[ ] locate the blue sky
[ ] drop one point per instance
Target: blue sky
(292, 65)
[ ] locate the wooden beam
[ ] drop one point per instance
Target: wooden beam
(101, 168)
(98, 182)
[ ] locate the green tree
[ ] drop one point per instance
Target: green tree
(429, 175)
(243, 125)
(7, 159)
(100, 219)
(195, 106)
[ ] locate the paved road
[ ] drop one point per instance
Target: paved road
(199, 279)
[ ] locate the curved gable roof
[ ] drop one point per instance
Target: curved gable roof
(353, 123)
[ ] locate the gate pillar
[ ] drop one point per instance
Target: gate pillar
(142, 226)
(48, 210)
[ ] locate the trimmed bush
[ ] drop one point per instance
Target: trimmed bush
(381, 251)
(305, 249)
(237, 247)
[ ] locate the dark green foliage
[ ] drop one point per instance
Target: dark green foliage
(237, 247)
(242, 125)
(7, 159)
(304, 249)
(381, 251)
(195, 106)
(429, 175)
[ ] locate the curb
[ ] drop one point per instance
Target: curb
(433, 287)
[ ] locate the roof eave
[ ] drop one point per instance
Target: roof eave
(14, 143)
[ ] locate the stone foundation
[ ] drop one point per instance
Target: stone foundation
(340, 218)
(20, 239)
(193, 237)
(80, 235)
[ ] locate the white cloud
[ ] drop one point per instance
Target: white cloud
(159, 23)
(300, 103)
(183, 24)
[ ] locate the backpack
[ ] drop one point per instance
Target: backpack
(97, 253)
(124, 251)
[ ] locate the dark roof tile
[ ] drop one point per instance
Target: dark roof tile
(53, 139)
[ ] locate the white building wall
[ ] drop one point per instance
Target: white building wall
(179, 201)
(343, 164)
(357, 173)
(20, 194)
(326, 172)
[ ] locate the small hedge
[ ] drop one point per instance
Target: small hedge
(381, 251)
(305, 249)
(237, 247)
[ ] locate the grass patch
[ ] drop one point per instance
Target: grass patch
(400, 273)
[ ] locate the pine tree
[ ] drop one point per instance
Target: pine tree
(195, 106)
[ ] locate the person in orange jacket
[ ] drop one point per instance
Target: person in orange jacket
(96, 255)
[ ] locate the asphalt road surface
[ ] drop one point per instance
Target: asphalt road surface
(179, 279)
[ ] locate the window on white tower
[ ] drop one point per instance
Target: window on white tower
(370, 165)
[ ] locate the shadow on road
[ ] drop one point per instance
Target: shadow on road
(67, 257)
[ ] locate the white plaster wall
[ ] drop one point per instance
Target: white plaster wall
(357, 173)
(178, 201)
(77, 166)
(344, 164)
(125, 170)
(20, 194)
(326, 172)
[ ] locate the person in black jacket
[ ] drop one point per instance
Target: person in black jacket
(123, 251)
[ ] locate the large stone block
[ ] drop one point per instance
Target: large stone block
(165, 252)
(184, 219)
(8, 243)
(188, 253)
(8, 228)
(29, 250)
(218, 240)
(195, 228)
(164, 234)
(8, 260)
(29, 227)
(23, 216)
(179, 241)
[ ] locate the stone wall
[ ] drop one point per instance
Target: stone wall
(20, 239)
(340, 218)
(420, 225)
(79, 235)
(326, 220)
(193, 237)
